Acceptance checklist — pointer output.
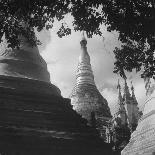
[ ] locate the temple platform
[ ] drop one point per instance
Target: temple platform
(36, 120)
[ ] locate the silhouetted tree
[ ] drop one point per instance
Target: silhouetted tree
(134, 20)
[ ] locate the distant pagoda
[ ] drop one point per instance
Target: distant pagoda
(126, 116)
(34, 117)
(127, 107)
(85, 97)
(119, 109)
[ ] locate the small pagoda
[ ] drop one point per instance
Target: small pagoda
(126, 116)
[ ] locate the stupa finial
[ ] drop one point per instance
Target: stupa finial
(118, 85)
(83, 35)
(83, 42)
(126, 90)
(119, 93)
(132, 88)
(133, 94)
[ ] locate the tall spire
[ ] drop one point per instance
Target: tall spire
(119, 105)
(132, 88)
(119, 93)
(127, 94)
(83, 41)
(84, 72)
(119, 111)
(133, 94)
(84, 56)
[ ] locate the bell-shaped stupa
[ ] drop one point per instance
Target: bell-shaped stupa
(85, 97)
(25, 64)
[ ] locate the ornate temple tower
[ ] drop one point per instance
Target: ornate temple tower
(85, 97)
(125, 118)
(136, 112)
(34, 117)
(131, 106)
(120, 111)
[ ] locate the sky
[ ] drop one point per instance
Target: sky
(61, 55)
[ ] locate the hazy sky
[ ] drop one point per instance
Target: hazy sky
(61, 55)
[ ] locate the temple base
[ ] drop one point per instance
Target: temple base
(36, 120)
(33, 143)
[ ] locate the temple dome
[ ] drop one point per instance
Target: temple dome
(25, 62)
(24, 69)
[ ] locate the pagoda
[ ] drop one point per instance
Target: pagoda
(125, 118)
(119, 110)
(34, 117)
(131, 106)
(85, 97)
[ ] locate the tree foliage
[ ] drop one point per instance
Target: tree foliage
(135, 22)
(133, 19)
(32, 14)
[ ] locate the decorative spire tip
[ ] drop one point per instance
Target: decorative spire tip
(118, 85)
(132, 88)
(83, 42)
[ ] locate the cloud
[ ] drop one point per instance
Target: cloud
(111, 96)
(62, 58)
